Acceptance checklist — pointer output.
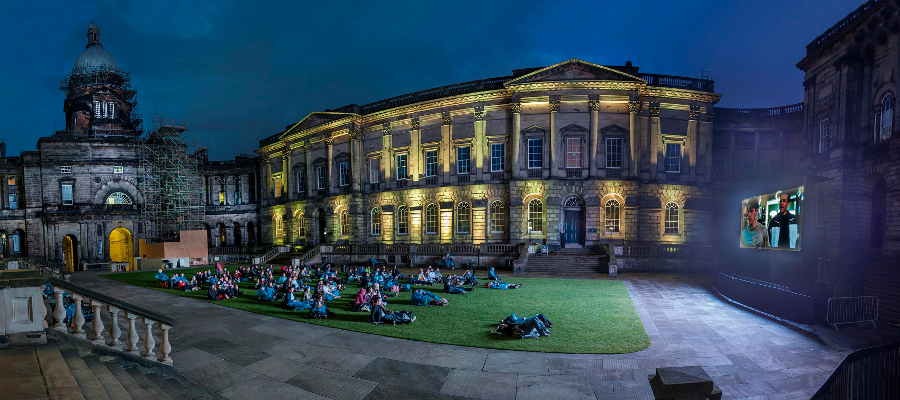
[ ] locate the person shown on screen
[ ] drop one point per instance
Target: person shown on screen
(755, 234)
(783, 229)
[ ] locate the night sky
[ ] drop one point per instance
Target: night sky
(238, 71)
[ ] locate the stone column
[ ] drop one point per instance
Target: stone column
(655, 145)
(311, 177)
(634, 156)
(415, 163)
(516, 109)
(356, 166)
(286, 177)
(594, 107)
(692, 140)
(329, 167)
(707, 134)
(479, 145)
(554, 137)
(446, 147)
(387, 161)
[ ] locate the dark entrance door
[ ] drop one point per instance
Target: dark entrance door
(321, 225)
(573, 226)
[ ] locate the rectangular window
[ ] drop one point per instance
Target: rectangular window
(16, 246)
(301, 181)
(462, 160)
(320, 174)
(498, 157)
(67, 198)
(13, 200)
(401, 167)
(374, 170)
(238, 191)
(824, 135)
(776, 142)
(118, 170)
(276, 187)
(65, 169)
(614, 153)
(344, 169)
(673, 157)
(97, 112)
(573, 152)
(535, 153)
(431, 163)
(112, 109)
(222, 197)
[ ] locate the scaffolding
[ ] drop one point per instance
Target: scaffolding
(170, 182)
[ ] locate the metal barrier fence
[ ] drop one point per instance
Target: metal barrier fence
(872, 373)
(851, 310)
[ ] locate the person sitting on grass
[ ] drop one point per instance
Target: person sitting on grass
(395, 272)
(361, 303)
(318, 310)
(468, 278)
(215, 293)
(421, 279)
(292, 303)
(524, 327)
(381, 314)
(328, 291)
(453, 285)
(425, 298)
(501, 285)
(492, 276)
(162, 279)
(266, 293)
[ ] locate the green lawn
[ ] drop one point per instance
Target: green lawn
(589, 315)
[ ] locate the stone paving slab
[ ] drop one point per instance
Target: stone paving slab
(333, 385)
(553, 386)
(516, 362)
(480, 385)
(341, 361)
(220, 375)
(278, 368)
(263, 387)
(418, 377)
(389, 392)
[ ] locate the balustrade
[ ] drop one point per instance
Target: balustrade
(100, 303)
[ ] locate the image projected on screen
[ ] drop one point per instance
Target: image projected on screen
(772, 221)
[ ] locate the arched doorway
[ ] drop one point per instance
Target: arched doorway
(573, 221)
(879, 210)
(251, 234)
(220, 238)
(321, 228)
(121, 247)
(70, 252)
(237, 234)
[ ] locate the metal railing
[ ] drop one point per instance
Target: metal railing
(851, 310)
(872, 373)
(98, 302)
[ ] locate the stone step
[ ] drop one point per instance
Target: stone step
(130, 385)
(58, 378)
(144, 381)
(114, 389)
(90, 387)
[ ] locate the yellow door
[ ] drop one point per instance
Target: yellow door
(69, 248)
(121, 247)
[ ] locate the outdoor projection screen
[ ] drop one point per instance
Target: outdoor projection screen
(772, 220)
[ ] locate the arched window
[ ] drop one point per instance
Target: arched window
(118, 198)
(884, 120)
(671, 220)
(431, 218)
(535, 216)
(402, 220)
(301, 227)
(376, 221)
(345, 223)
(498, 217)
(279, 227)
(463, 218)
(612, 216)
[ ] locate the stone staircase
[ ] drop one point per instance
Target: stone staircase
(884, 283)
(56, 371)
(568, 261)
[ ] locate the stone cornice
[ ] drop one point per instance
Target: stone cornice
(680, 94)
(571, 85)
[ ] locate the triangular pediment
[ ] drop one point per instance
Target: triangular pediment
(573, 128)
(613, 128)
(312, 120)
(575, 70)
(534, 128)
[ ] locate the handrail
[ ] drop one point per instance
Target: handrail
(857, 375)
(111, 301)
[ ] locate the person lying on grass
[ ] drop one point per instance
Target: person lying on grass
(453, 285)
(292, 303)
(501, 285)
(521, 328)
(425, 298)
(318, 310)
(381, 314)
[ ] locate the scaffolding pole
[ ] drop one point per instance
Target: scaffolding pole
(170, 182)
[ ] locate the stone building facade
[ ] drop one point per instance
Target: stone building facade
(575, 153)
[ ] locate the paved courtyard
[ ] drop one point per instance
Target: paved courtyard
(242, 355)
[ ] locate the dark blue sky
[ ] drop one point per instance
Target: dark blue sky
(238, 71)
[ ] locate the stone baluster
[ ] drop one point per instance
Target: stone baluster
(149, 343)
(97, 325)
(59, 314)
(132, 334)
(114, 330)
(165, 348)
(78, 320)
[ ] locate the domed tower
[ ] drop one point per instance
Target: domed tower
(99, 98)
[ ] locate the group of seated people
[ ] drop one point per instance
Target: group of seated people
(521, 328)
(177, 281)
(454, 284)
(431, 276)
